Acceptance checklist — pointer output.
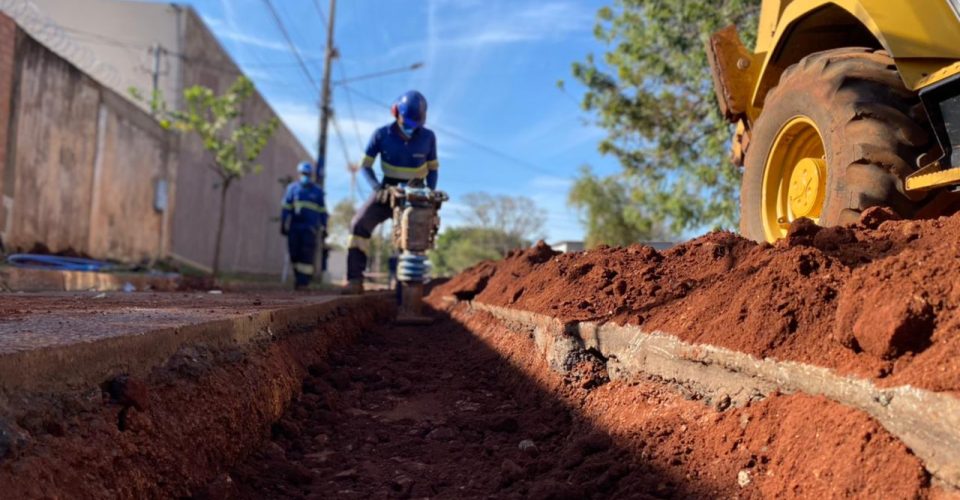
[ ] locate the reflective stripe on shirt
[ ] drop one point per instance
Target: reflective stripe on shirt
(297, 205)
(403, 173)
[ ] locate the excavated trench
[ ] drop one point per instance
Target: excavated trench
(486, 403)
(473, 406)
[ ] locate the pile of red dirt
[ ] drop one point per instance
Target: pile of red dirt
(876, 299)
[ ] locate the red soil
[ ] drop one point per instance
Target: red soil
(877, 299)
(441, 412)
(167, 435)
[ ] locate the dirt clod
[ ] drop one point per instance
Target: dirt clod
(128, 391)
(802, 232)
(872, 217)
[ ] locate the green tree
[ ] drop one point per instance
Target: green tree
(493, 225)
(511, 219)
(458, 248)
(234, 143)
(652, 92)
(338, 226)
(610, 214)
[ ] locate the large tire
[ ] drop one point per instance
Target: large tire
(865, 116)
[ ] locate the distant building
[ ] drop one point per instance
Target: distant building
(568, 246)
(120, 45)
(578, 246)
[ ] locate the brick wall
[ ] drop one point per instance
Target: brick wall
(8, 33)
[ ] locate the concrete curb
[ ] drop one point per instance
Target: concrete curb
(927, 422)
(47, 280)
(82, 364)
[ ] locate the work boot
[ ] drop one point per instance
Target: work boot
(354, 287)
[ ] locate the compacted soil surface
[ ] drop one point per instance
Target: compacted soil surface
(877, 299)
(466, 408)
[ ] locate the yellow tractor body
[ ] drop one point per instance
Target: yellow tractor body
(918, 39)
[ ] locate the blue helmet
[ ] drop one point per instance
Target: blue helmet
(305, 168)
(411, 108)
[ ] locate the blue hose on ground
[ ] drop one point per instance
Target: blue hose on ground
(54, 262)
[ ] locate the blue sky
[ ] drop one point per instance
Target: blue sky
(490, 73)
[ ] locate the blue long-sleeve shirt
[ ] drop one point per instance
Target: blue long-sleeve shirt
(402, 158)
(303, 207)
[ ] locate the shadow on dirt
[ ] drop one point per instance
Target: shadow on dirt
(440, 412)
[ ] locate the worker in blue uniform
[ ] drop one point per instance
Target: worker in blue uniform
(302, 219)
(407, 151)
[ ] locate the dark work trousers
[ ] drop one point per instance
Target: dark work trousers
(302, 245)
(370, 215)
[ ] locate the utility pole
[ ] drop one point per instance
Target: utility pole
(155, 91)
(324, 122)
(160, 188)
(325, 109)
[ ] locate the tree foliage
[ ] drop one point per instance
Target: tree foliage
(493, 225)
(512, 219)
(652, 93)
(218, 121)
(338, 226)
(234, 143)
(611, 216)
(461, 247)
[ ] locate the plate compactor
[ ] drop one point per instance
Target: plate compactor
(416, 221)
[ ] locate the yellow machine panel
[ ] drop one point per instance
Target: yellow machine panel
(923, 36)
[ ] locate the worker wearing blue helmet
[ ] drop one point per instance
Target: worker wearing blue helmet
(302, 218)
(407, 151)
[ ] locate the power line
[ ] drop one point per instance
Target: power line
(392, 71)
(95, 38)
(353, 115)
(343, 74)
(323, 17)
(293, 47)
(478, 145)
(343, 143)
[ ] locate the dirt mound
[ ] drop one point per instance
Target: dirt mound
(875, 299)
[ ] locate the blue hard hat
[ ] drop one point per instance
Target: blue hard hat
(305, 167)
(412, 108)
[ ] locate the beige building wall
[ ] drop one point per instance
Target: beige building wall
(114, 42)
(84, 163)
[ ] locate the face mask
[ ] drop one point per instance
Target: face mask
(304, 178)
(408, 131)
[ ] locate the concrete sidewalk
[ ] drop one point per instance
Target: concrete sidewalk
(53, 341)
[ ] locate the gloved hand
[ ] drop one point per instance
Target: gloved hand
(285, 228)
(383, 196)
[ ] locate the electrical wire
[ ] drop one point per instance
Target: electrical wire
(293, 46)
(343, 143)
(323, 17)
(353, 115)
(478, 145)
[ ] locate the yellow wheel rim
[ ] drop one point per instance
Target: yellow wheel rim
(794, 178)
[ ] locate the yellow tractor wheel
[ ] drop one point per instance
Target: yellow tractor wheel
(834, 138)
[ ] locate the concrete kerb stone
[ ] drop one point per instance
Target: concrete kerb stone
(84, 364)
(927, 422)
(49, 280)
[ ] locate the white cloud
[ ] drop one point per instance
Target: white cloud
(226, 30)
(476, 24)
(229, 30)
